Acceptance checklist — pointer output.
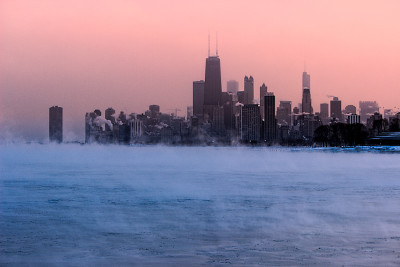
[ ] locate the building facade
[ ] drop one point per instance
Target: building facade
(56, 124)
(198, 98)
(249, 89)
(336, 109)
(270, 132)
(250, 130)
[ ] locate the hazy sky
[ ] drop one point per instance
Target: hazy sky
(84, 55)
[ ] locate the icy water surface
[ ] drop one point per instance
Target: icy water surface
(179, 206)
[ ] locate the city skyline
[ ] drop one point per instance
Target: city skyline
(82, 68)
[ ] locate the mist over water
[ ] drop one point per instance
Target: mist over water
(174, 206)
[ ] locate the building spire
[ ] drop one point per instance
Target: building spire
(216, 44)
(208, 43)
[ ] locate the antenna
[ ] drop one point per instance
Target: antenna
(208, 43)
(216, 43)
(304, 66)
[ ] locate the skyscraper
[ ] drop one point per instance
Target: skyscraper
(198, 98)
(284, 112)
(263, 92)
(270, 120)
(249, 89)
(306, 99)
(56, 124)
(324, 110)
(306, 80)
(324, 113)
(227, 102)
(212, 85)
(250, 128)
(336, 109)
(232, 86)
(242, 97)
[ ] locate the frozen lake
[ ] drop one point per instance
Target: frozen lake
(180, 206)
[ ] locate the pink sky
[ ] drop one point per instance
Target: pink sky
(83, 55)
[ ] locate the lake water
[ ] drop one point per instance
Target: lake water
(188, 206)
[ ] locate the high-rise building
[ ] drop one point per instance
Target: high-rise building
(250, 129)
(306, 106)
(269, 118)
(263, 92)
(324, 110)
(367, 109)
(212, 88)
(189, 112)
(249, 89)
(212, 85)
(228, 104)
(242, 97)
(336, 109)
(217, 123)
(284, 112)
(306, 80)
(307, 124)
(56, 124)
(324, 113)
(232, 86)
(198, 98)
(154, 110)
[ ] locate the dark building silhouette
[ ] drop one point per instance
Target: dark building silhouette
(56, 124)
(228, 104)
(336, 109)
(269, 118)
(307, 124)
(263, 92)
(306, 99)
(212, 88)
(250, 126)
(324, 110)
(212, 85)
(242, 97)
(249, 89)
(232, 86)
(324, 113)
(154, 111)
(198, 98)
(284, 112)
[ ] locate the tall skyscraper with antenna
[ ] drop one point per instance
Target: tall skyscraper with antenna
(212, 85)
(306, 99)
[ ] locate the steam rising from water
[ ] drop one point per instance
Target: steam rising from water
(107, 205)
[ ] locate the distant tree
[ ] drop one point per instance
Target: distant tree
(355, 134)
(340, 134)
(394, 125)
(321, 135)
